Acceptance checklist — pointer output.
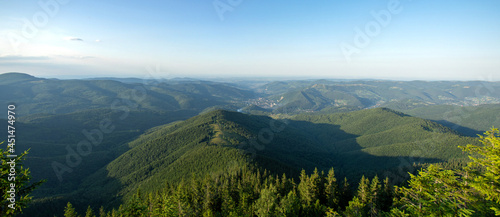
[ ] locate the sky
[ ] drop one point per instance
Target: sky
(366, 39)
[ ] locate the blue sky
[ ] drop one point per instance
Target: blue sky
(408, 39)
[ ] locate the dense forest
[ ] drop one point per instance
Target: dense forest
(470, 191)
(473, 190)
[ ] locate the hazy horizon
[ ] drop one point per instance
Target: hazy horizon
(247, 78)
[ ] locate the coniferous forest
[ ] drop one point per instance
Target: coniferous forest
(473, 190)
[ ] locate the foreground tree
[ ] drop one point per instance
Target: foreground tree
(332, 194)
(435, 192)
(484, 170)
(20, 179)
(472, 191)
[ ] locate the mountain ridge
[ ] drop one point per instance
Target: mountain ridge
(217, 141)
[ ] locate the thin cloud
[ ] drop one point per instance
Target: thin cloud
(75, 56)
(73, 39)
(23, 58)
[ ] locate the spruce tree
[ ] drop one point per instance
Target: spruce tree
(345, 194)
(69, 211)
(89, 212)
(289, 205)
(374, 200)
(135, 206)
(182, 199)
(266, 204)
(196, 196)
(356, 208)
(102, 213)
(332, 195)
(364, 192)
(386, 196)
(303, 188)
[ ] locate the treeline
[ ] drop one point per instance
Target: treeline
(473, 190)
(248, 193)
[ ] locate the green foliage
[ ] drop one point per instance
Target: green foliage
(374, 202)
(289, 205)
(89, 212)
(266, 204)
(435, 192)
(484, 170)
(372, 198)
(469, 120)
(356, 208)
(18, 185)
(374, 140)
(241, 193)
(332, 191)
(52, 96)
(309, 187)
(362, 142)
(69, 211)
(135, 206)
(470, 191)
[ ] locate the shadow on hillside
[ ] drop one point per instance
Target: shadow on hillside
(288, 149)
(50, 136)
(323, 146)
(461, 129)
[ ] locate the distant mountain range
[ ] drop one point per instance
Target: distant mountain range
(37, 95)
(300, 96)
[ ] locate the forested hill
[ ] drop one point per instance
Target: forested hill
(469, 120)
(368, 142)
(328, 96)
(52, 96)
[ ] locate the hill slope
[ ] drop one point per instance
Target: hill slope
(299, 96)
(206, 144)
(363, 142)
(49, 137)
(382, 133)
(51, 96)
(469, 120)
